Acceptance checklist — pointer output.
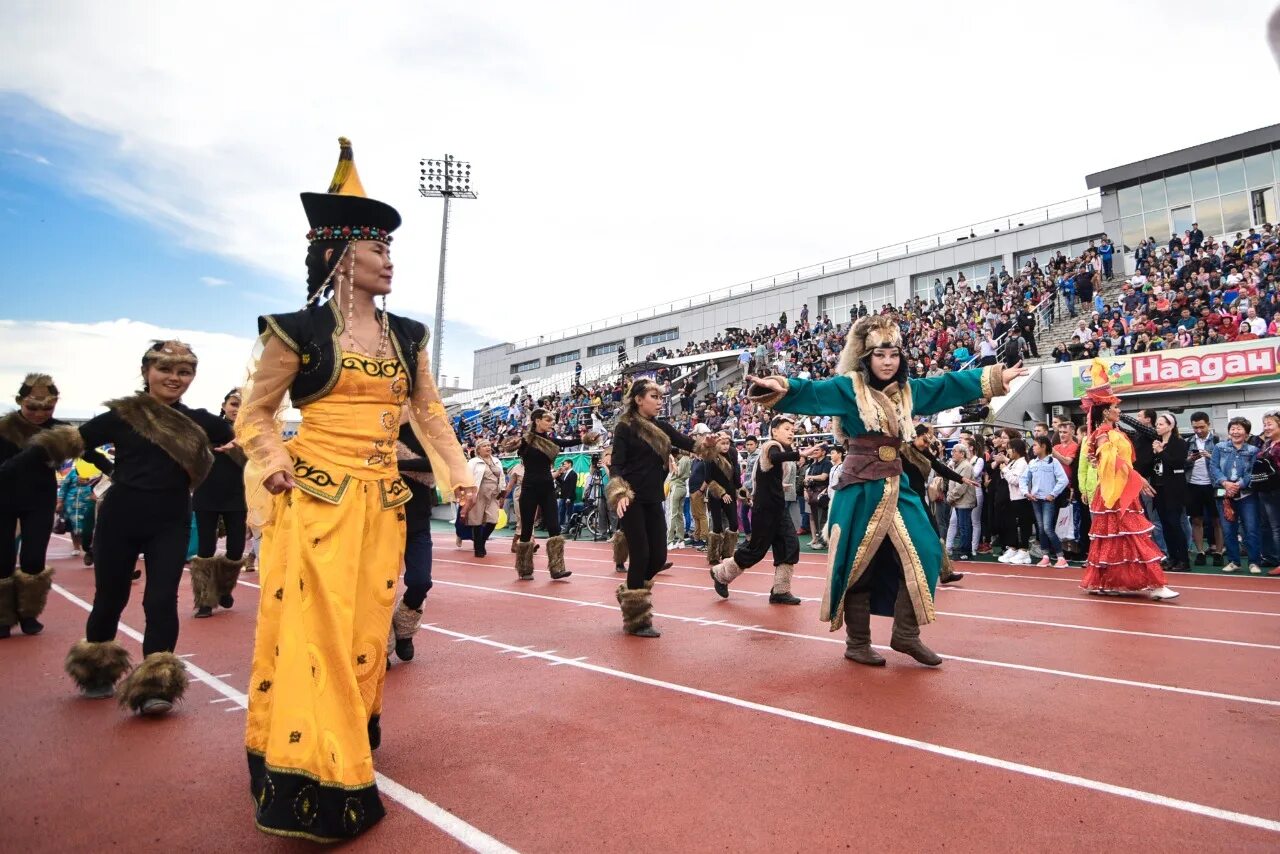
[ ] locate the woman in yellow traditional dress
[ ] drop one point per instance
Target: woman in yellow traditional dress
(329, 504)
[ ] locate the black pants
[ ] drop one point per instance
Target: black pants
(532, 497)
(417, 567)
(154, 525)
(1018, 525)
(37, 528)
(207, 532)
(722, 513)
(645, 527)
(770, 529)
(479, 537)
(818, 517)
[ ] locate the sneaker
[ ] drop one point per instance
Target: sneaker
(1044, 561)
(1061, 563)
(1275, 572)
(984, 548)
(1021, 557)
(1231, 567)
(75, 553)
(1164, 593)
(155, 706)
(1254, 569)
(1217, 559)
(1201, 560)
(963, 557)
(1006, 556)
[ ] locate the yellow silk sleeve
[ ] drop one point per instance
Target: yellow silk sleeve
(432, 427)
(258, 425)
(1115, 466)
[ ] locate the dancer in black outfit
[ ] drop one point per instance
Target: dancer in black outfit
(724, 488)
(641, 450)
(162, 452)
(415, 468)
(214, 577)
(538, 451)
(771, 526)
(28, 495)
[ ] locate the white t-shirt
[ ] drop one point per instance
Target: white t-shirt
(1199, 473)
(1258, 326)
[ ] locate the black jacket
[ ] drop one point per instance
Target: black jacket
(223, 489)
(1142, 437)
(1170, 479)
(636, 462)
(537, 465)
(567, 484)
(28, 482)
(313, 333)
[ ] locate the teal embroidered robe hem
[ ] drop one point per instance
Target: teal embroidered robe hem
(863, 515)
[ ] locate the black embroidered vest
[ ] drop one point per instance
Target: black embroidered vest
(314, 333)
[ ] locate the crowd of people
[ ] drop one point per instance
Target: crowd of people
(1190, 292)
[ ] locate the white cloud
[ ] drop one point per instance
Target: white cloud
(93, 362)
(27, 155)
(624, 155)
(214, 281)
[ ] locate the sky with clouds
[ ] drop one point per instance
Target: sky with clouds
(151, 154)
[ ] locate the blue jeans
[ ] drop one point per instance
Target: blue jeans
(688, 516)
(566, 510)
(1071, 304)
(964, 530)
(1247, 513)
(417, 567)
(1046, 520)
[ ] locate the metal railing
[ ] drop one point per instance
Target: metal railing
(1042, 323)
(1080, 204)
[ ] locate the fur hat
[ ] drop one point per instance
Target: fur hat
(169, 354)
(868, 333)
(37, 389)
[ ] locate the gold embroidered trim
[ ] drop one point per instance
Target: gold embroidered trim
(394, 493)
(993, 382)
(877, 528)
(279, 333)
(912, 571)
(318, 483)
(833, 537)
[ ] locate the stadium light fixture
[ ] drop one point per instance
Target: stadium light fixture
(446, 179)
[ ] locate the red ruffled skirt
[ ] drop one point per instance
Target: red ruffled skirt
(1122, 555)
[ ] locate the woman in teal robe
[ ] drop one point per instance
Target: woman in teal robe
(884, 555)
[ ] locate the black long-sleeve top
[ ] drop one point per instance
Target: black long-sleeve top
(639, 464)
(140, 463)
(537, 466)
(1171, 482)
(1142, 436)
(27, 481)
(223, 489)
(728, 482)
(916, 479)
(769, 493)
(417, 513)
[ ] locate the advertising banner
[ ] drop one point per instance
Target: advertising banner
(1237, 363)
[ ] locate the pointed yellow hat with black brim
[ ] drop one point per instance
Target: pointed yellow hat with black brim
(345, 212)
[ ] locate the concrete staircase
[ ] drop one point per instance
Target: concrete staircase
(1064, 324)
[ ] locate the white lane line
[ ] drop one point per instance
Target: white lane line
(659, 582)
(1067, 674)
(902, 741)
(1084, 599)
(473, 838)
(964, 567)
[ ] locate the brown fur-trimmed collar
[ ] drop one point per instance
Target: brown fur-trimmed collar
(176, 434)
(711, 454)
(648, 432)
(542, 445)
(16, 429)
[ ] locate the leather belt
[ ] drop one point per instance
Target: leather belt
(873, 456)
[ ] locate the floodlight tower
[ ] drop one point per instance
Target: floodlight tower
(447, 179)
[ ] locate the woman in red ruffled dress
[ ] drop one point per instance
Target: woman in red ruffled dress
(1122, 557)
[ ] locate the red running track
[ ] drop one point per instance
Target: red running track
(529, 721)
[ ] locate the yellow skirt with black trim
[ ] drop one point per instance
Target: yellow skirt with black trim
(328, 575)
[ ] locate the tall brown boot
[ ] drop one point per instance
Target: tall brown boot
(620, 550)
(32, 596)
(857, 629)
(204, 585)
(8, 605)
(728, 544)
(713, 548)
(555, 558)
(906, 631)
(637, 610)
(226, 574)
(524, 560)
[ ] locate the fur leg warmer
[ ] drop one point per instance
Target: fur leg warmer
(637, 607)
(160, 676)
(8, 602)
(782, 578)
(524, 559)
(226, 572)
(713, 548)
(726, 571)
(405, 621)
(96, 665)
(728, 544)
(203, 585)
(620, 550)
(33, 590)
(555, 558)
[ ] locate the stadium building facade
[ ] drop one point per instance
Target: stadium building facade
(1228, 185)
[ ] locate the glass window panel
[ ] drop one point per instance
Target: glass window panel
(1182, 219)
(1130, 199)
(1132, 232)
(1209, 215)
(1153, 195)
(1158, 225)
(1231, 175)
(1204, 182)
(1178, 187)
(1235, 212)
(1275, 158)
(1263, 204)
(1257, 169)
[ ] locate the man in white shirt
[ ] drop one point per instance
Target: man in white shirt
(1257, 325)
